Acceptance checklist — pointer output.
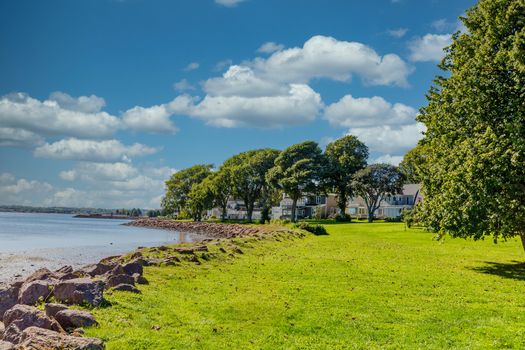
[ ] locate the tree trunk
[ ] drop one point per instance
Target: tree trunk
(522, 236)
(224, 213)
(249, 212)
(371, 212)
(294, 208)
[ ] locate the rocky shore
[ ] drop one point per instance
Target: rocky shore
(214, 230)
(25, 326)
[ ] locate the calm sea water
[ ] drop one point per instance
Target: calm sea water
(30, 241)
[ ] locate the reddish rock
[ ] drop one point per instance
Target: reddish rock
(32, 292)
(184, 250)
(79, 291)
(97, 269)
(200, 248)
(64, 269)
(20, 317)
(8, 299)
(2, 329)
(70, 319)
(126, 288)
(37, 338)
(41, 275)
(52, 309)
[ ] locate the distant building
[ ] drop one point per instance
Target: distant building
(235, 210)
(308, 207)
(390, 207)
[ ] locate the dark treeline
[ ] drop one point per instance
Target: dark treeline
(260, 177)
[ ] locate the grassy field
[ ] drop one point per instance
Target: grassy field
(364, 286)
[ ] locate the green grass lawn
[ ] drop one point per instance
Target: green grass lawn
(364, 286)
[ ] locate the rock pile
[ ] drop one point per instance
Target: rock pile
(205, 228)
(23, 326)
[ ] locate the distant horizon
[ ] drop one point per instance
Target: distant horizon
(100, 102)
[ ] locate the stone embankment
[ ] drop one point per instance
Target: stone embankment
(214, 230)
(24, 326)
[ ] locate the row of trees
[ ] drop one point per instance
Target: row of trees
(259, 177)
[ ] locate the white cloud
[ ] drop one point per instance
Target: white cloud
(183, 85)
(19, 138)
(388, 159)
(85, 104)
(149, 119)
(90, 150)
(299, 105)
(22, 191)
(397, 33)
(270, 47)
(192, 66)
(429, 47)
(443, 24)
(351, 112)
(242, 81)
(100, 172)
(388, 139)
(221, 65)
(229, 3)
(20, 111)
(69, 175)
(326, 57)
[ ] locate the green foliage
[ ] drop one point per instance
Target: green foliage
(411, 163)
(200, 198)
(178, 187)
(316, 229)
(375, 182)
(298, 170)
(365, 286)
(221, 188)
(345, 157)
(248, 175)
(343, 218)
(393, 219)
(473, 172)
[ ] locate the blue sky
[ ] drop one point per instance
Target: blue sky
(100, 101)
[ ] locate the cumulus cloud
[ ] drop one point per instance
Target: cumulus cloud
(19, 138)
(270, 47)
(351, 112)
(49, 117)
(327, 57)
(388, 139)
(91, 150)
(397, 33)
(388, 159)
(229, 3)
(299, 105)
(20, 191)
(429, 47)
(149, 119)
(86, 104)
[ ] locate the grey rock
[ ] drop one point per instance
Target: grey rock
(133, 267)
(32, 292)
(115, 280)
(8, 299)
(98, 269)
(52, 309)
(139, 279)
(36, 338)
(71, 319)
(24, 316)
(4, 345)
(80, 291)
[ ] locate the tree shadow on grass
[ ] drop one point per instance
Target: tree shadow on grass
(514, 269)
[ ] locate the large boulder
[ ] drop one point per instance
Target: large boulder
(32, 292)
(8, 299)
(2, 329)
(139, 279)
(52, 309)
(37, 338)
(4, 345)
(80, 291)
(24, 316)
(115, 280)
(98, 269)
(12, 334)
(133, 267)
(64, 270)
(41, 275)
(126, 288)
(71, 319)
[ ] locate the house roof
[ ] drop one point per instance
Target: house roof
(411, 189)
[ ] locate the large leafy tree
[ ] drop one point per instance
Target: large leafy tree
(220, 186)
(473, 173)
(200, 198)
(247, 172)
(345, 157)
(375, 182)
(298, 170)
(410, 166)
(178, 187)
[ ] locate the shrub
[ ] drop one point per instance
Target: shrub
(343, 218)
(317, 230)
(393, 219)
